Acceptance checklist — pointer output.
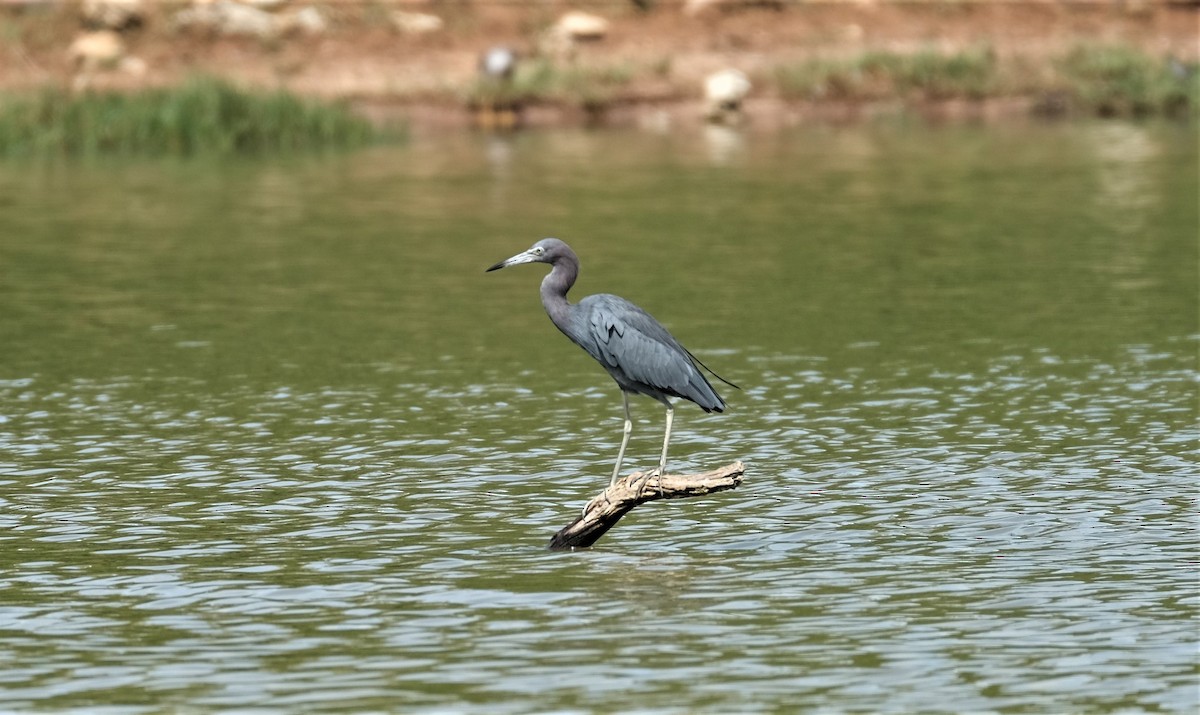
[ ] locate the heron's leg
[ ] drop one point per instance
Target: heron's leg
(624, 440)
(662, 461)
(621, 452)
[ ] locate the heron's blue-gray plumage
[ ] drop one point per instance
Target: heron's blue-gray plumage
(638, 351)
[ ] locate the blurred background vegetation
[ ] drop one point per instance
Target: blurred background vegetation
(264, 75)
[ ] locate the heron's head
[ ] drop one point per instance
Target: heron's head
(547, 250)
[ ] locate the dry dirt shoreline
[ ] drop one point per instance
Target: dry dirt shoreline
(423, 78)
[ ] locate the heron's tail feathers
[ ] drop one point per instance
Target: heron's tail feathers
(710, 370)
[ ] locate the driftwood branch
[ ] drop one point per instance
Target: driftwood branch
(605, 510)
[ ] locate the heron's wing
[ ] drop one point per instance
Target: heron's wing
(631, 343)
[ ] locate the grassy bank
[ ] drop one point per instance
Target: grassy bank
(1105, 80)
(1118, 80)
(201, 116)
(1091, 79)
(205, 115)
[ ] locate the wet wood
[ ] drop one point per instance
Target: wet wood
(606, 509)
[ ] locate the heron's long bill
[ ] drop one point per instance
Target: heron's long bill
(522, 257)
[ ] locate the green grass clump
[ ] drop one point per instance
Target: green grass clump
(203, 116)
(1110, 80)
(1118, 80)
(969, 73)
(881, 74)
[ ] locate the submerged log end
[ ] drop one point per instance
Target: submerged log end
(606, 509)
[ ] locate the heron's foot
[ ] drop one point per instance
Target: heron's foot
(588, 506)
(642, 484)
(603, 495)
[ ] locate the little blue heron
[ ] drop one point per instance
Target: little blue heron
(627, 341)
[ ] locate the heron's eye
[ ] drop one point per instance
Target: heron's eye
(539, 250)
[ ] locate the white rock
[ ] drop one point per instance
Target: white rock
(134, 66)
(697, 7)
(416, 23)
(582, 26)
(724, 91)
(229, 18)
(726, 88)
(93, 50)
(308, 20)
(113, 14)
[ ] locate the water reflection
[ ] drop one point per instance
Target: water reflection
(724, 143)
(1127, 196)
(1125, 154)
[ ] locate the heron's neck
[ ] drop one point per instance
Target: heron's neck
(554, 290)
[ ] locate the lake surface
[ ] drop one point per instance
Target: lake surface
(271, 440)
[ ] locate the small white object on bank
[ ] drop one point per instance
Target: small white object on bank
(225, 17)
(724, 92)
(582, 26)
(416, 23)
(97, 50)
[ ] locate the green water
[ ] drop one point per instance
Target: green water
(271, 439)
